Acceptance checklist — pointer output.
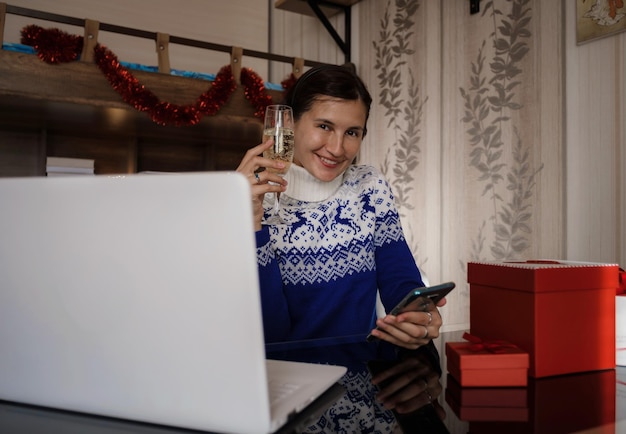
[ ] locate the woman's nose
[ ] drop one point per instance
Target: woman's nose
(334, 145)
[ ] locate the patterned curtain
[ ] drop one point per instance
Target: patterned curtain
(466, 125)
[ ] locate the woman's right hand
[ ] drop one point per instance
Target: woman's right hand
(261, 182)
(407, 385)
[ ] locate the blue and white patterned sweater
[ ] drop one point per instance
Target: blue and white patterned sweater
(339, 243)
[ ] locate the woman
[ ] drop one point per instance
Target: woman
(341, 238)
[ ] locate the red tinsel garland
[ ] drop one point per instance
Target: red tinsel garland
(289, 81)
(255, 91)
(55, 46)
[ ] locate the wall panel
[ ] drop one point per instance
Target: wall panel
(235, 22)
(596, 118)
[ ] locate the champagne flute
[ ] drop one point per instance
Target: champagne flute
(279, 126)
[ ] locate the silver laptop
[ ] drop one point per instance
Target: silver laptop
(137, 297)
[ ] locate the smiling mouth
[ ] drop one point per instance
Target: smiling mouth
(327, 162)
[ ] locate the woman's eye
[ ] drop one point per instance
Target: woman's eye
(353, 133)
(324, 126)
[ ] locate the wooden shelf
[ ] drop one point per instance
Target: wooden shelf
(24, 75)
(70, 110)
(301, 6)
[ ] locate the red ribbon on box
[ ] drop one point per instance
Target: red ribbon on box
(621, 289)
(493, 346)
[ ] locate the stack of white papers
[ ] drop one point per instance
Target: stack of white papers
(62, 166)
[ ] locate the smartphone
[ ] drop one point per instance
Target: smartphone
(420, 299)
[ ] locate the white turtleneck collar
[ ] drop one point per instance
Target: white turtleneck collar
(305, 187)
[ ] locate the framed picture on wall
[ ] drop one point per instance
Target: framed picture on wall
(599, 18)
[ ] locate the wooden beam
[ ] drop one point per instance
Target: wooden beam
(24, 75)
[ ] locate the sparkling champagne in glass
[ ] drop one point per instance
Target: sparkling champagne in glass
(279, 126)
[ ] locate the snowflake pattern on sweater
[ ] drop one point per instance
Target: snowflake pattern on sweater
(333, 255)
(358, 411)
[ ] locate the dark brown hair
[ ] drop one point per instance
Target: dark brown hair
(327, 80)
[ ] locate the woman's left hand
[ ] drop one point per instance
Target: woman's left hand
(411, 329)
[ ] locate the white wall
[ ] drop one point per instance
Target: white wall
(595, 145)
(249, 24)
(240, 23)
(312, 41)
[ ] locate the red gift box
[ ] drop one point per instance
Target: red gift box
(620, 320)
(570, 403)
(621, 289)
(620, 330)
(475, 365)
(486, 403)
(487, 396)
(469, 413)
(562, 313)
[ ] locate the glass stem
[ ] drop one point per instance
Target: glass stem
(276, 203)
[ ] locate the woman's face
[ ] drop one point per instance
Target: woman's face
(328, 136)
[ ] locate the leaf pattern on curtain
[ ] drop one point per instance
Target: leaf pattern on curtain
(488, 101)
(402, 102)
